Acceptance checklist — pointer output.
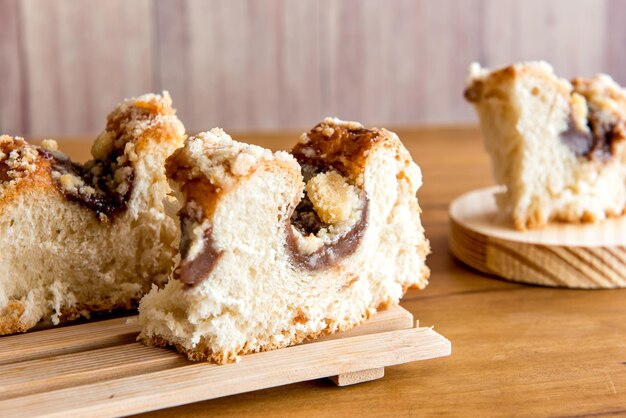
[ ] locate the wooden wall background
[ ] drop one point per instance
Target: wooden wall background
(273, 64)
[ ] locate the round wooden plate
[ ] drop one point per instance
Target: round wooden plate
(590, 256)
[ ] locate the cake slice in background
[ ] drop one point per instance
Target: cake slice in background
(557, 146)
(277, 248)
(78, 239)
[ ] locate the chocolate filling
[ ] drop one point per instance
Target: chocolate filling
(102, 199)
(192, 272)
(3, 172)
(345, 150)
(597, 143)
(473, 92)
(579, 141)
(305, 219)
(329, 254)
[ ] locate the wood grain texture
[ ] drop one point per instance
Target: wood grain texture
(396, 76)
(587, 256)
(66, 340)
(129, 377)
(519, 350)
(361, 376)
(241, 64)
(13, 115)
(615, 35)
(550, 30)
(81, 59)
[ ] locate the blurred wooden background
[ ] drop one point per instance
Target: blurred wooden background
(273, 64)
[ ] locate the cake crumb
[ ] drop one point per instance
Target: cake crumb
(333, 198)
(50, 145)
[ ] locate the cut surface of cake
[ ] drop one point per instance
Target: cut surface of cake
(83, 238)
(281, 247)
(557, 146)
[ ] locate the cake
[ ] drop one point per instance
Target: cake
(277, 248)
(83, 238)
(557, 146)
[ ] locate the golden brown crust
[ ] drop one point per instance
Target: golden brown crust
(481, 87)
(150, 114)
(194, 186)
(341, 145)
(10, 320)
(301, 317)
(182, 167)
(35, 181)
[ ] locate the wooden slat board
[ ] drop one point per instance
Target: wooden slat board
(565, 255)
(97, 369)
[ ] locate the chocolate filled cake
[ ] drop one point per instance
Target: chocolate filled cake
(557, 146)
(281, 247)
(93, 237)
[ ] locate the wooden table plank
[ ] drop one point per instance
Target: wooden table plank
(518, 350)
(202, 380)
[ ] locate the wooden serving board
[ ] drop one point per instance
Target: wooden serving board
(99, 370)
(590, 256)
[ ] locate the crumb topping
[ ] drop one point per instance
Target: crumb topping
(130, 120)
(343, 146)
(605, 101)
(215, 156)
(103, 184)
(50, 145)
(17, 159)
(333, 198)
(597, 118)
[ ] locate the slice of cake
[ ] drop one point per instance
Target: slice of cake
(87, 238)
(556, 145)
(277, 248)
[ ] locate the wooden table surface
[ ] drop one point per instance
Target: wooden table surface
(517, 350)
